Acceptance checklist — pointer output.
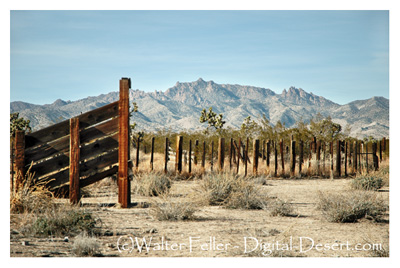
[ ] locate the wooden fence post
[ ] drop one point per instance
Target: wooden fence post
(190, 157)
(166, 156)
(338, 159)
(178, 157)
(230, 154)
(318, 152)
(19, 158)
(124, 191)
(246, 155)
(221, 150)
(256, 148)
(276, 159)
(212, 156)
(268, 152)
(355, 152)
(282, 156)
(374, 156)
(301, 152)
(74, 189)
(152, 154)
(137, 154)
(238, 156)
(292, 157)
(366, 156)
(345, 158)
(384, 147)
(203, 157)
(196, 152)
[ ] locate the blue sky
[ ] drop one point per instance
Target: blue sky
(341, 55)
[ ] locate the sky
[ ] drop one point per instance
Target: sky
(69, 55)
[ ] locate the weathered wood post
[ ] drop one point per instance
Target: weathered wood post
(301, 153)
(384, 147)
(282, 156)
(246, 155)
(318, 152)
(212, 156)
(256, 148)
(190, 156)
(74, 189)
(366, 156)
(331, 153)
(338, 159)
(152, 154)
(268, 152)
(276, 159)
(203, 157)
(19, 158)
(124, 191)
(196, 152)
(345, 158)
(137, 153)
(178, 158)
(221, 150)
(374, 156)
(380, 150)
(230, 154)
(292, 157)
(238, 156)
(166, 156)
(355, 152)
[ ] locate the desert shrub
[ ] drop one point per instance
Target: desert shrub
(351, 206)
(151, 184)
(368, 182)
(85, 245)
(62, 221)
(281, 208)
(31, 196)
(168, 210)
(232, 191)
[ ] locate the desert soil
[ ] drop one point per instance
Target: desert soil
(216, 231)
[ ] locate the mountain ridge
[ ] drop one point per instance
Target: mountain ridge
(179, 107)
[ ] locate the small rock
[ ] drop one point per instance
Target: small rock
(14, 231)
(153, 231)
(25, 243)
(108, 233)
(66, 239)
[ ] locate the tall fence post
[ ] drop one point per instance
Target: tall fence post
(338, 159)
(19, 158)
(301, 153)
(203, 158)
(374, 156)
(166, 156)
(212, 156)
(221, 150)
(282, 156)
(276, 160)
(74, 189)
(292, 157)
(178, 158)
(190, 157)
(256, 148)
(152, 154)
(124, 191)
(345, 158)
(268, 152)
(246, 155)
(318, 157)
(196, 152)
(238, 156)
(355, 153)
(230, 154)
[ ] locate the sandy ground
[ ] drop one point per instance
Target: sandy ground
(216, 231)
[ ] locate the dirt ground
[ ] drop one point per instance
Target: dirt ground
(216, 231)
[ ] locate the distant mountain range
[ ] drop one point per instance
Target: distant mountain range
(179, 108)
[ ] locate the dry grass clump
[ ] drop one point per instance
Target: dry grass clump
(232, 191)
(86, 246)
(281, 208)
(151, 184)
(62, 220)
(351, 206)
(367, 182)
(167, 209)
(30, 197)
